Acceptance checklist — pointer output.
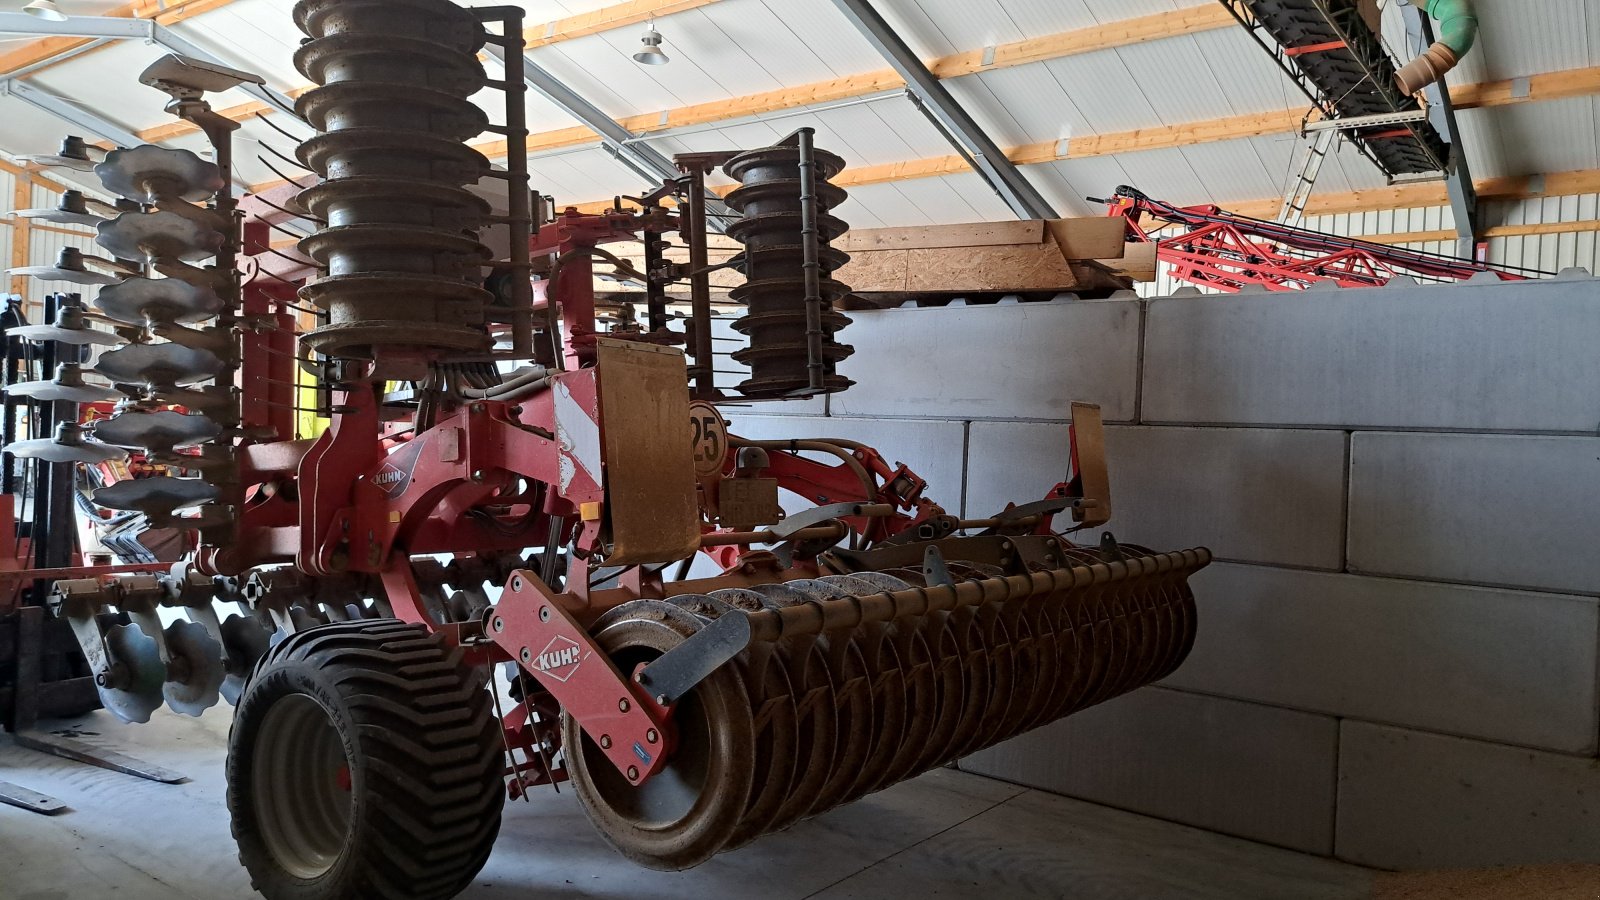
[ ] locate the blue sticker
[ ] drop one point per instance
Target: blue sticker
(639, 751)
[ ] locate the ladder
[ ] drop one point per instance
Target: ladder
(1294, 203)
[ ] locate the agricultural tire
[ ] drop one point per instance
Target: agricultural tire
(364, 762)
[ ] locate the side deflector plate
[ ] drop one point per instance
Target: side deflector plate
(649, 457)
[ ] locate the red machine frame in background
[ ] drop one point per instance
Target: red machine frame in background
(1228, 252)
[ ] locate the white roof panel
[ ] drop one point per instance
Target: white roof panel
(1246, 76)
(1561, 136)
(964, 24)
(1037, 17)
(818, 27)
(1020, 105)
(1101, 86)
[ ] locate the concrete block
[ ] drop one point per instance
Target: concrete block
(1409, 800)
(1013, 360)
(730, 372)
(1259, 495)
(933, 449)
(1480, 357)
(1419, 504)
(1239, 768)
(1513, 667)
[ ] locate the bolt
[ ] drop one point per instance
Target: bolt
(651, 736)
(526, 655)
(633, 773)
(478, 475)
(605, 742)
(498, 624)
(477, 408)
(623, 705)
(516, 582)
(103, 679)
(544, 613)
(661, 699)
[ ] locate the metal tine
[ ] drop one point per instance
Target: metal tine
(274, 169)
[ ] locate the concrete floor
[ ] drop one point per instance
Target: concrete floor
(945, 835)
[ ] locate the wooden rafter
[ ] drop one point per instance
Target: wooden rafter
(22, 231)
(620, 15)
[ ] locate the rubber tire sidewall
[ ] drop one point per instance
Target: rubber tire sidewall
(277, 680)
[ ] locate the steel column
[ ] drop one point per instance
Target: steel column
(959, 127)
(1442, 115)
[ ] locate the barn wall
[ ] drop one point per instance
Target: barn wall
(1397, 659)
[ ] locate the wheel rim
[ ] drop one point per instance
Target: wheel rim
(671, 796)
(302, 788)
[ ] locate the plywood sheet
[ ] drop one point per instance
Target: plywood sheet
(927, 237)
(1138, 262)
(1101, 237)
(1016, 268)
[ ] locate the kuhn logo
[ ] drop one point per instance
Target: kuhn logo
(395, 476)
(560, 658)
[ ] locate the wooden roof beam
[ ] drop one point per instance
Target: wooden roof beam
(619, 15)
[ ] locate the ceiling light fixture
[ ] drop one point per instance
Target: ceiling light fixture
(45, 9)
(650, 48)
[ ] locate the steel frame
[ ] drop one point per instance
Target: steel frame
(1442, 115)
(1358, 50)
(1228, 252)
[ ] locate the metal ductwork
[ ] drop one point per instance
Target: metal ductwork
(1458, 31)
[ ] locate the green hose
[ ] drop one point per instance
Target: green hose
(1458, 25)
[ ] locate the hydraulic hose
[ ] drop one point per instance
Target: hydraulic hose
(531, 381)
(1458, 31)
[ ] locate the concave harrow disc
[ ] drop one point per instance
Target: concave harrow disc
(201, 667)
(855, 682)
(133, 688)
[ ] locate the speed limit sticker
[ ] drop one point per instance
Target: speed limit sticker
(710, 439)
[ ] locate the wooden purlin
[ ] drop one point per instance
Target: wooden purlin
(620, 15)
(22, 229)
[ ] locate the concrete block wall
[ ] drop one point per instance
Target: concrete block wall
(1399, 646)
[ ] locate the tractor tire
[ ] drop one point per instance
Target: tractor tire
(365, 761)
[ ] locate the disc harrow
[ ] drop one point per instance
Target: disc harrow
(228, 624)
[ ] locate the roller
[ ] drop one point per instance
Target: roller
(858, 680)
